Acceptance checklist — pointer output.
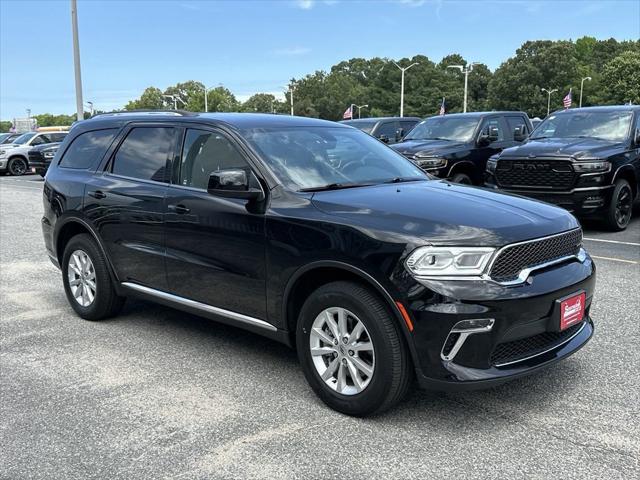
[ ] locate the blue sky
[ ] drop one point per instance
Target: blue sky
(256, 46)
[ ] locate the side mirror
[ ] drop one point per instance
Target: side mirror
(399, 134)
(520, 133)
(233, 183)
(383, 138)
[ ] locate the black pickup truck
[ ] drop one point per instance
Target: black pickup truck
(457, 146)
(40, 157)
(586, 160)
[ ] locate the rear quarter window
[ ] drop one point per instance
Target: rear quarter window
(87, 149)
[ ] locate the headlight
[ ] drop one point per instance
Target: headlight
(2, 152)
(49, 154)
(449, 261)
(491, 164)
(426, 162)
(592, 167)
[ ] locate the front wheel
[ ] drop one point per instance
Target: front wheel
(17, 166)
(620, 207)
(462, 178)
(351, 350)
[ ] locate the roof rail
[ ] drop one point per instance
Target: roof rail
(125, 113)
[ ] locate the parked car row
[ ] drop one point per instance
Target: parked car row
(14, 155)
(586, 160)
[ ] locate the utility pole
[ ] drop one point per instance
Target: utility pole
(466, 69)
(291, 88)
(549, 92)
(90, 108)
(76, 60)
(581, 85)
(175, 99)
(402, 85)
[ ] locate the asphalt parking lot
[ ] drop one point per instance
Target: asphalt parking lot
(157, 393)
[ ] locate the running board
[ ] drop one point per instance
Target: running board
(168, 297)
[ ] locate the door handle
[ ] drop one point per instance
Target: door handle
(97, 194)
(180, 209)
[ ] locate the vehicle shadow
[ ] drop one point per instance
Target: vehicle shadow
(501, 404)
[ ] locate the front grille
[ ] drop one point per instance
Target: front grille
(512, 259)
(35, 156)
(510, 352)
(539, 174)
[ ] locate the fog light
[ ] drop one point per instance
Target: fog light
(475, 325)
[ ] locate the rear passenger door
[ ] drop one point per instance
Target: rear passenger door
(215, 246)
(126, 203)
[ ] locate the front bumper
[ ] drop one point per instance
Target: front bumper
(522, 314)
(3, 164)
(582, 202)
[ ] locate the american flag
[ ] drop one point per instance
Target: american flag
(442, 107)
(348, 113)
(566, 101)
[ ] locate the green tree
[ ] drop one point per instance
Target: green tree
(151, 99)
(190, 92)
(220, 99)
(621, 78)
(5, 126)
(261, 102)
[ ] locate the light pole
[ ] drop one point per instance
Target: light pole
(206, 97)
(359, 107)
(175, 99)
(292, 86)
(76, 60)
(581, 85)
(466, 69)
(90, 108)
(549, 92)
(402, 85)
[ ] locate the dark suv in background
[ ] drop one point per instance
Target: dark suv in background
(386, 129)
(317, 235)
(586, 160)
(457, 146)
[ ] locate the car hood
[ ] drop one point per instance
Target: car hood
(576, 148)
(439, 212)
(16, 148)
(428, 147)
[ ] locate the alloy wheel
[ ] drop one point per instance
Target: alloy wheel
(342, 351)
(18, 167)
(82, 278)
(623, 206)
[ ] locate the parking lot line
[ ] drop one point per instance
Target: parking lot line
(611, 241)
(615, 259)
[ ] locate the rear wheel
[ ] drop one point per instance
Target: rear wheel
(351, 350)
(87, 282)
(620, 207)
(462, 178)
(17, 166)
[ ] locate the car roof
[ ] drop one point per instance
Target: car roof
(603, 108)
(483, 114)
(239, 121)
(378, 119)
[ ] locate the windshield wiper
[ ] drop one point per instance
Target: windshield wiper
(403, 179)
(334, 186)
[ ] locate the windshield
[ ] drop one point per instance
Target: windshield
(24, 138)
(366, 127)
(459, 129)
(314, 157)
(612, 126)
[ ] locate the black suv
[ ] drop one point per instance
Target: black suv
(40, 157)
(586, 160)
(319, 236)
(457, 146)
(386, 129)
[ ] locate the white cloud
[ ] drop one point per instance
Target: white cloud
(291, 51)
(304, 4)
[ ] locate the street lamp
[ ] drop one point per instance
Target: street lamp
(76, 60)
(206, 98)
(549, 92)
(581, 85)
(90, 108)
(466, 69)
(175, 99)
(359, 107)
(292, 86)
(402, 85)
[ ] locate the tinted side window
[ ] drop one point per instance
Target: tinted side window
(389, 129)
(407, 127)
(207, 152)
(144, 154)
(87, 149)
(40, 140)
(492, 123)
(514, 122)
(57, 137)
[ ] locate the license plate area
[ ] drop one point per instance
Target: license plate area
(569, 310)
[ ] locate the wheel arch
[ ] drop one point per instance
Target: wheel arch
(627, 173)
(467, 167)
(307, 279)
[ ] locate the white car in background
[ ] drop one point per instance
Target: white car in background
(14, 156)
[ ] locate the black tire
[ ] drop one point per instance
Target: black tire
(620, 207)
(393, 372)
(106, 302)
(18, 166)
(462, 178)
